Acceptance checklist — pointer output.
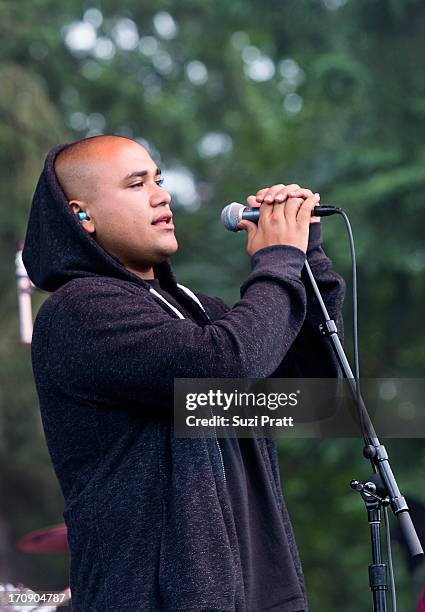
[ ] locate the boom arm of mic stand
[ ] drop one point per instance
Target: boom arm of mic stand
(374, 450)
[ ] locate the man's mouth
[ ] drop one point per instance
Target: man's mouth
(165, 219)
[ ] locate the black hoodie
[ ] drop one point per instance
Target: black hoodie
(158, 523)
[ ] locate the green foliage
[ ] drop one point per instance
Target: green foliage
(343, 113)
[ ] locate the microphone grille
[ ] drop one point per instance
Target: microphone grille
(231, 215)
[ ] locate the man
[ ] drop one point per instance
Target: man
(156, 522)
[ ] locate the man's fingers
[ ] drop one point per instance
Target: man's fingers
(249, 226)
(279, 193)
(284, 193)
(266, 211)
(300, 193)
(304, 212)
(271, 193)
(292, 206)
(306, 193)
(252, 201)
(260, 194)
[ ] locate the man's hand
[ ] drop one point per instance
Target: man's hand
(285, 216)
(280, 193)
(305, 193)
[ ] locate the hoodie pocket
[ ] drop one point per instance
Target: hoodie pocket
(196, 566)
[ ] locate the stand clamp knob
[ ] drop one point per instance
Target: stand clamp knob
(328, 328)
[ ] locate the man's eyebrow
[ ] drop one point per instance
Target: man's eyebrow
(141, 173)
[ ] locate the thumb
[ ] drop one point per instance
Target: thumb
(249, 226)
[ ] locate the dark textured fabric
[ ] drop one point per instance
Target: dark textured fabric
(150, 520)
(269, 563)
(172, 300)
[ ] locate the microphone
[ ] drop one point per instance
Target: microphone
(233, 213)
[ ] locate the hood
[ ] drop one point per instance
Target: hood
(57, 249)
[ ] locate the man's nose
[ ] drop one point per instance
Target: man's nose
(160, 197)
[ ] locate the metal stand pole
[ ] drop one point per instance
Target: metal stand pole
(371, 492)
(377, 454)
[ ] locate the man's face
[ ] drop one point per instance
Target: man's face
(128, 208)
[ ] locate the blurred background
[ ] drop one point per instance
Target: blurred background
(230, 97)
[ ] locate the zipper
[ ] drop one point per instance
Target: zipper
(181, 316)
(219, 448)
(196, 299)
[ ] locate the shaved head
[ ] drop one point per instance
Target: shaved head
(78, 167)
(118, 185)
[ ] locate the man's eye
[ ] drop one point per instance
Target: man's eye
(141, 184)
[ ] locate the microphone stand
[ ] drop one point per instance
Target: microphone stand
(24, 292)
(381, 488)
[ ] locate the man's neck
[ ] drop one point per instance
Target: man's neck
(144, 274)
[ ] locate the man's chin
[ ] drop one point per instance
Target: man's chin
(173, 248)
(167, 251)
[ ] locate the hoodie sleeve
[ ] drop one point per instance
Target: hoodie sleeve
(311, 355)
(109, 341)
(331, 284)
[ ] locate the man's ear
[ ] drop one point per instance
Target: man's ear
(78, 206)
